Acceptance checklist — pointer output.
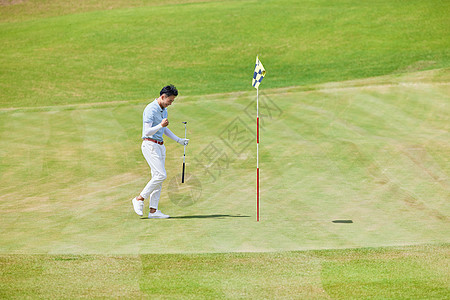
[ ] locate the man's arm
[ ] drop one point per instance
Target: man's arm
(180, 141)
(149, 130)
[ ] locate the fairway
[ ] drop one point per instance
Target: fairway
(418, 272)
(354, 149)
(93, 53)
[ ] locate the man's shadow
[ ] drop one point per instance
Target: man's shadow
(216, 216)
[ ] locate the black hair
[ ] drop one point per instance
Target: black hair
(169, 90)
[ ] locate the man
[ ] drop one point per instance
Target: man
(155, 125)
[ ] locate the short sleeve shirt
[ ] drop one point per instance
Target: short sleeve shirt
(154, 114)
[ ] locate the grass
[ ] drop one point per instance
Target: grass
(129, 52)
(385, 273)
(19, 11)
(328, 153)
(354, 149)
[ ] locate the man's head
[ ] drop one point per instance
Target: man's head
(167, 95)
(169, 90)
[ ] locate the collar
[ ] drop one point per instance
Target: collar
(159, 106)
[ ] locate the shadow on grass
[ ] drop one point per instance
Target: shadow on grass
(342, 221)
(217, 216)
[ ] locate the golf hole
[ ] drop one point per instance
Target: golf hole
(343, 221)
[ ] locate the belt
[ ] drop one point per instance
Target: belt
(154, 141)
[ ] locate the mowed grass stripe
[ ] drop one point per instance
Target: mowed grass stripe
(35, 9)
(400, 272)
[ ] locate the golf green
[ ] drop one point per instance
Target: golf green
(327, 153)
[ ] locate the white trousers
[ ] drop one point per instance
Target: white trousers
(156, 157)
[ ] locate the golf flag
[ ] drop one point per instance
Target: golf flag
(259, 74)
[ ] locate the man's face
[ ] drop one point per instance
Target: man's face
(167, 100)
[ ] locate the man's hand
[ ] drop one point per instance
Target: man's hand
(164, 123)
(183, 142)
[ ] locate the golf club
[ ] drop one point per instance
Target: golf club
(184, 153)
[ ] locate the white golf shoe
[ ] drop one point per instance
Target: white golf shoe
(157, 215)
(138, 206)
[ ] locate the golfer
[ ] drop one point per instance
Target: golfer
(155, 125)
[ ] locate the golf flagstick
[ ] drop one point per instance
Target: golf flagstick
(258, 76)
(257, 154)
(184, 154)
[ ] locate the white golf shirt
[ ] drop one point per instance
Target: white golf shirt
(152, 117)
